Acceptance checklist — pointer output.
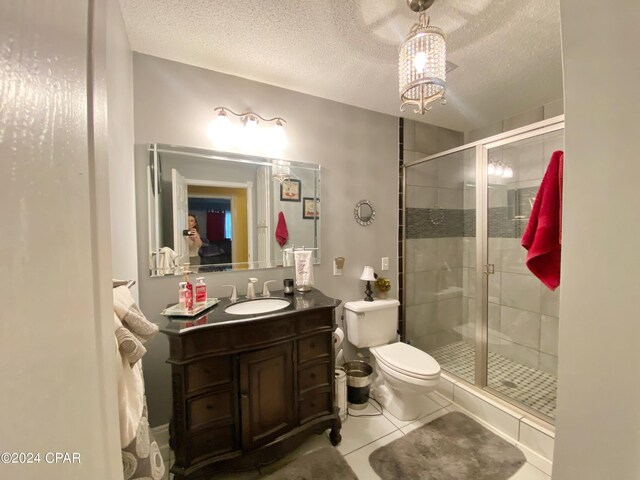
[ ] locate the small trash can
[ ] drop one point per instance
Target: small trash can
(358, 381)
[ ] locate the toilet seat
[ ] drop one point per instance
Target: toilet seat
(407, 361)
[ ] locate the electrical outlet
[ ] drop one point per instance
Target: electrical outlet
(385, 263)
(336, 271)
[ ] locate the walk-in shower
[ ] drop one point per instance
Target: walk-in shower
(469, 299)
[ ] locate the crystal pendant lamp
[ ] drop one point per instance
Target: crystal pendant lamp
(422, 63)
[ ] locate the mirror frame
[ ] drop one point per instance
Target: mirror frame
(356, 213)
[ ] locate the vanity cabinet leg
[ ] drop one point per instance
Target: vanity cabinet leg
(334, 435)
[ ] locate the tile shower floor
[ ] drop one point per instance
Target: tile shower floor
(528, 386)
(361, 436)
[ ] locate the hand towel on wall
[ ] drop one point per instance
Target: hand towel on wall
(304, 267)
(282, 234)
(542, 236)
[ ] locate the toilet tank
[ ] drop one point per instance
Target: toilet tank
(369, 324)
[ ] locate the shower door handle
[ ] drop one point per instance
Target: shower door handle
(489, 269)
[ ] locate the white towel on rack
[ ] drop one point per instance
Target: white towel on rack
(303, 267)
(166, 260)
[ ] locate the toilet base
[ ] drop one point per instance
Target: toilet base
(405, 406)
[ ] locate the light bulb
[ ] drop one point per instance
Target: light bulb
(221, 131)
(499, 170)
(278, 135)
(419, 61)
(508, 172)
(491, 170)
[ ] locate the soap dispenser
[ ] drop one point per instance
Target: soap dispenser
(251, 290)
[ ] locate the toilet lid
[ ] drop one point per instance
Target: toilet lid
(407, 359)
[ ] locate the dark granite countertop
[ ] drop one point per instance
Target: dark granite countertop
(216, 316)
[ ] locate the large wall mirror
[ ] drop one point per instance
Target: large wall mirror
(248, 212)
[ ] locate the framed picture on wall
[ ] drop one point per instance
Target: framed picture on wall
(310, 207)
(290, 191)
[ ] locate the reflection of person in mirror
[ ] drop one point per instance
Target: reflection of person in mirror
(195, 242)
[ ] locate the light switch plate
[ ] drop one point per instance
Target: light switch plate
(385, 263)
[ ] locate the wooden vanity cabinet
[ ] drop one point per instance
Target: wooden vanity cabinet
(247, 393)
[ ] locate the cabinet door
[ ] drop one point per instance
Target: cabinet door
(266, 393)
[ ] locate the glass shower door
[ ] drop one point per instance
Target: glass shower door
(522, 348)
(440, 294)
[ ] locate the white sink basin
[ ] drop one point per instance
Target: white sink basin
(258, 305)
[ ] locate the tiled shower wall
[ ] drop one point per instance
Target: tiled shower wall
(417, 140)
(440, 249)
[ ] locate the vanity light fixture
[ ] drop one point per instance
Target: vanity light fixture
(271, 140)
(280, 170)
(368, 276)
(499, 169)
(423, 62)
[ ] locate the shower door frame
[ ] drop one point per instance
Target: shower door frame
(482, 148)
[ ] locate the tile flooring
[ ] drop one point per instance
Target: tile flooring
(361, 436)
(528, 386)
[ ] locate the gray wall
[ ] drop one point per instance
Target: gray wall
(120, 144)
(357, 150)
(598, 419)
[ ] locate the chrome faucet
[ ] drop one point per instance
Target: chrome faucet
(265, 289)
(234, 293)
(251, 291)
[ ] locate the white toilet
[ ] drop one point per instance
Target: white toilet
(402, 373)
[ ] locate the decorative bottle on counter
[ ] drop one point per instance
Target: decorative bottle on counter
(185, 295)
(201, 291)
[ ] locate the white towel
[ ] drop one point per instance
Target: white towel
(131, 316)
(303, 267)
(167, 261)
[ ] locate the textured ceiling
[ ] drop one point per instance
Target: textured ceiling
(507, 51)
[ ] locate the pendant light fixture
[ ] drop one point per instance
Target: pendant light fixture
(422, 62)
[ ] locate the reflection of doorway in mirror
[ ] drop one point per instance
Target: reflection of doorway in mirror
(225, 215)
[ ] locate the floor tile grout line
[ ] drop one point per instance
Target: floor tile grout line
(367, 444)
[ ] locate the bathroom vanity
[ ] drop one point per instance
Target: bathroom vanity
(247, 389)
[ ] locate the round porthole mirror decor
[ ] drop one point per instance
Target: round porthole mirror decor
(364, 212)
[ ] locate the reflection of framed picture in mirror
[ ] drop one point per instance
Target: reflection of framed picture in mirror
(310, 207)
(290, 191)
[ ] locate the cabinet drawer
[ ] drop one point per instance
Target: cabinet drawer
(210, 443)
(314, 376)
(266, 331)
(315, 403)
(210, 408)
(314, 320)
(208, 372)
(315, 347)
(199, 343)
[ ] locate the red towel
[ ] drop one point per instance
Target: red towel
(282, 234)
(542, 236)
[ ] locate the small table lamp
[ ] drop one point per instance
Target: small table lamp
(367, 274)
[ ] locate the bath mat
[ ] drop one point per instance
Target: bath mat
(323, 464)
(452, 447)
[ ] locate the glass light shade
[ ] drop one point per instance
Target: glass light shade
(280, 171)
(508, 172)
(221, 131)
(422, 66)
(278, 136)
(367, 274)
(499, 170)
(491, 169)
